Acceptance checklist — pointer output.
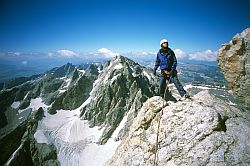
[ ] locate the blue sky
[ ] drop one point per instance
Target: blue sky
(120, 26)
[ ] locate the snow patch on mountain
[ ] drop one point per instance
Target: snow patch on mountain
(82, 71)
(230, 103)
(114, 78)
(66, 126)
(189, 86)
(34, 105)
(109, 79)
(96, 155)
(147, 75)
(66, 82)
(99, 69)
(14, 154)
(62, 78)
(118, 66)
(118, 129)
(62, 91)
(75, 141)
(15, 104)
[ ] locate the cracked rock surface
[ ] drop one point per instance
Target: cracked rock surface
(201, 131)
(234, 61)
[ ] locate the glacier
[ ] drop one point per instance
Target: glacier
(76, 142)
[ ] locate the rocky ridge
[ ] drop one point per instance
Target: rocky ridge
(202, 131)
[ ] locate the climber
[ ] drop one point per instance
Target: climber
(167, 61)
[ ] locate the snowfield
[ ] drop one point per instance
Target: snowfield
(34, 104)
(15, 104)
(75, 141)
(147, 75)
(118, 66)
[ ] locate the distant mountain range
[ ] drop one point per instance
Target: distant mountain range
(13, 65)
(28, 65)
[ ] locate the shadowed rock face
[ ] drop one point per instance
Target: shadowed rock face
(234, 61)
(202, 131)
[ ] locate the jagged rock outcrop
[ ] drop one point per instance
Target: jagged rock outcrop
(234, 60)
(78, 89)
(202, 131)
(119, 91)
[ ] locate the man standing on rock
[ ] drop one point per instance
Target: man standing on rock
(167, 61)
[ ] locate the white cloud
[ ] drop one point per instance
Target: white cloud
(140, 54)
(66, 53)
(100, 53)
(180, 54)
(50, 54)
(17, 53)
(207, 55)
(24, 62)
(106, 52)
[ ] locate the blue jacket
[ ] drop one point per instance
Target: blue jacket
(166, 61)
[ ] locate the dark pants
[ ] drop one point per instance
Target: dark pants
(176, 82)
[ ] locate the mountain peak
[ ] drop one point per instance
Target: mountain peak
(63, 70)
(122, 59)
(119, 91)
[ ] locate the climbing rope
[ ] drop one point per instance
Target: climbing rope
(157, 137)
(159, 120)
